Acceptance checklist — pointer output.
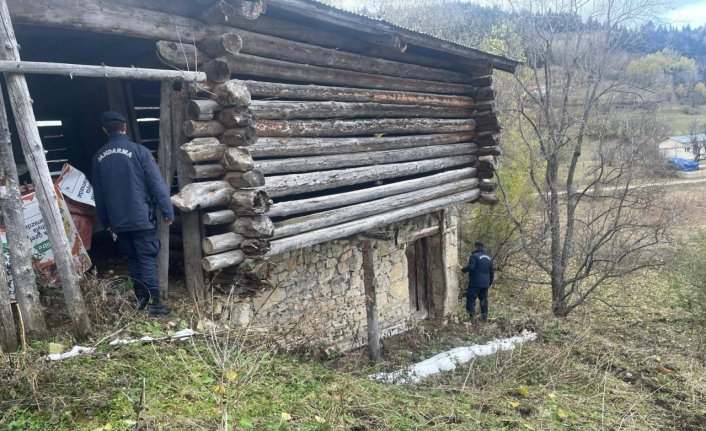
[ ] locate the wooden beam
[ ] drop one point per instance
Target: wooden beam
(286, 110)
(371, 310)
(288, 208)
(336, 161)
(344, 230)
(369, 208)
(206, 194)
(283, 185)
(22, 272)
(423, 233)
(363, 127)
(167, 167)
(190, 223)
(8, 331)
(289, 147)
(21, 103)
(106, 72)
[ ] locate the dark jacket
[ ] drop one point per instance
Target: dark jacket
(126, 179)
(480, 270)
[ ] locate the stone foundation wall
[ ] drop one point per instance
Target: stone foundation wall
(318, 296)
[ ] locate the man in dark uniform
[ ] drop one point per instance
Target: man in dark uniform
(126, 180)
(480, 278)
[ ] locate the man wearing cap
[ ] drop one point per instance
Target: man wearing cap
(480, 278)
(126, 180)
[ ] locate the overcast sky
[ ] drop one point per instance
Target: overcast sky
(677, 12)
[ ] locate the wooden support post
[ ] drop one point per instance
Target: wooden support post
(167, 168)
(25, 280)
(371, 307)
(190, 223)
(8, 332)
(117, 102)
(37, 163)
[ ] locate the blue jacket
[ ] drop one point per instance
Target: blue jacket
(480, 270)
(126, 180)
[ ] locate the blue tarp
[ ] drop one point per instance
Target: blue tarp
(683, 164)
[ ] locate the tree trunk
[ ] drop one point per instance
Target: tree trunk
(237, 159)
(344, 230)
(311, 222)
(254, 226)
(289, 147)
(203, 149)
(284, 185)
(288, 208)
(224, 260)
(283, 128)
(202, 195)
(220, 243)
(285, 110)
(21, 103)
(322, 163)
(24, 278)
(8, 332)
(275, 90)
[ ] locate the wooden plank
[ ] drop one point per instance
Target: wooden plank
(8, 331)
(293, 110)
(103, 71)
(345, 230)
(371, 310)
(362, 127)
(168, 169)
(21, 103)
(190, 223)
(22, 272)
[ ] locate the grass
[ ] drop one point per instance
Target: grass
(634, 364)
(680, 116)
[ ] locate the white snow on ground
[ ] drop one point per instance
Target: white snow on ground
(77, 350)
(450, 359)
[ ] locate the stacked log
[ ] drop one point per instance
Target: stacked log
(487, 131)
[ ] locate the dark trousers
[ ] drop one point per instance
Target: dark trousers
(141, 248)
(480, 293)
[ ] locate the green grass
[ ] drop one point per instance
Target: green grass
(597, 369)
(680, 116)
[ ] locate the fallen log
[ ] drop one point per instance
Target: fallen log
(239, 136)
(288, 208)
(251, 65)
(283, 185)
(259, 226)
(203, 149)
(223, 260)
(237, 159)
(223, 44)
(284, 147)
(219, 243)
(283, 128)
(322, 163)
(206, 171)
(245, 180)
(347, 229)
(203, 195)
(283, 110)
(277, 90)
(201, 129)
(249, 202)
(202, 110)
(218, 217)
(235, 116)
(311, 222)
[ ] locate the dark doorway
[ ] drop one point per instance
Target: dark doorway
(419, 279)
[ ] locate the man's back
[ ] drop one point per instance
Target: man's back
(480, 270)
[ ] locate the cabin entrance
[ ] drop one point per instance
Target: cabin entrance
(427, 275)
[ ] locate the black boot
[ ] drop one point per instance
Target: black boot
(156, 307)
(142, 303)
(485, 317)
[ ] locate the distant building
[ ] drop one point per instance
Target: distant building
(680, 146)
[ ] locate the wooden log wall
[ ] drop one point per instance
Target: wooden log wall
(292, 141)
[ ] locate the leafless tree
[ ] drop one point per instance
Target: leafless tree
(697, 138)
(593, 219)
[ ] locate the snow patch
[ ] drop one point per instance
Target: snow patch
(449, 360)
(75, 351)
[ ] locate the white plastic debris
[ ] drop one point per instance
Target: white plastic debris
(75, 351)
(184, 334)
(450, 359)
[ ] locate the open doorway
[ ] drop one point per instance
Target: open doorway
(427, 276)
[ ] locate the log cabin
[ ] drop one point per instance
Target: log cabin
(317, 157)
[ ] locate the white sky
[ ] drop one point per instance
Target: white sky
(677, 12)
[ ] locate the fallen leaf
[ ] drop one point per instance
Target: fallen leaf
(219, 389)
(286, 416)
(664, 370)
(522, 391)
(514, 404)
(232, 375)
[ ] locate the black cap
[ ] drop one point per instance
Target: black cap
(111, 117)
(479, 244)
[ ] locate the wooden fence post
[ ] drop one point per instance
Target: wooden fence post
(8, 332)
(33, 150)
(166, 166)
(371, 307)
(25, 280)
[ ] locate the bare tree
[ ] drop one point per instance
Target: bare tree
(591, 219)
(697, 138)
